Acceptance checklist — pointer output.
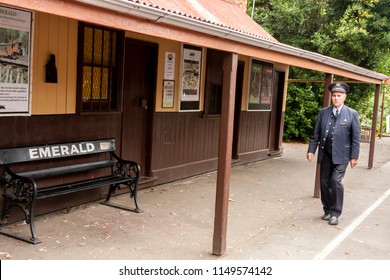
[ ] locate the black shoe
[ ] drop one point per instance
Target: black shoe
(333, 220)
(326, 217)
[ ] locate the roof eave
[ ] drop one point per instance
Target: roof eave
(168, 17)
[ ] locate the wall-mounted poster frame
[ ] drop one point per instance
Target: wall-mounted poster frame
(168, 93)
(191, 65)
(169, 66)
(260, 85)
(15, 58)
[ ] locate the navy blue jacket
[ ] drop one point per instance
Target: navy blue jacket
(346, 135)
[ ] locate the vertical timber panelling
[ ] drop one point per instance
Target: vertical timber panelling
(34, 130)
(254, 131)
(185, 144)
(58, 36)
(184, 138)
(71, 67)
(40, 40)
(53, 98)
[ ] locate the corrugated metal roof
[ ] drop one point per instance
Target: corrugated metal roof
(227, 19)
(223, 13)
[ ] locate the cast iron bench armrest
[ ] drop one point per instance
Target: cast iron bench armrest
(126, 168)
(18, 187)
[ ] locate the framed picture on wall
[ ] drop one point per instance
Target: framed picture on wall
(169, 66)
(168, 93)
(15, 58)
(260, 85)
(191, 65)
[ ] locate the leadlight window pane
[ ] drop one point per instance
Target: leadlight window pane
(107, 48)
(87, 83)
(104, 90)
(96, 83)
(97, 46)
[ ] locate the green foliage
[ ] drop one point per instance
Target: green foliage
(356, 31)
(301, 106)
(290, 22)
(357, 35)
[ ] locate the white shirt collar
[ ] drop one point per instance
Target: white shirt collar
(334, 109)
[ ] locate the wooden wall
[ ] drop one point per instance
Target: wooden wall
(254, 131)
(23, 131)
(58, 36)
(181, 138)
(186, 144)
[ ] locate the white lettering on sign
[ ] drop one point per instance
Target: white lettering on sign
(44, 152)
(64, 150)
(61, 150)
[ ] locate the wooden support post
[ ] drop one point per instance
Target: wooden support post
(230, 63)
(373, 126)
(382, 116)
(328, 81)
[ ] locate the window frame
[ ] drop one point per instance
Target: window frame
(262, 78)
(213, 84)
(108, 98)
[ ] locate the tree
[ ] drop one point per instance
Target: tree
(356, 31)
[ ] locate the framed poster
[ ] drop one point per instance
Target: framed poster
(191, 66)
(260, 85)
(255, 83)
(15, 57)
(168, 93)
(169, 66)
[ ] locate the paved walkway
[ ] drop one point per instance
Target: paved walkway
(272, 215)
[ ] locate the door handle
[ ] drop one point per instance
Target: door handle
(142, 102)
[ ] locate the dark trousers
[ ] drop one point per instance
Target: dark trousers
(332, 189)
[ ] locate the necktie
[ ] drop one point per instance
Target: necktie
(336, 114)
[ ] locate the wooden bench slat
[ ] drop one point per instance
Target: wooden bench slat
(68, 169)
(79, 186)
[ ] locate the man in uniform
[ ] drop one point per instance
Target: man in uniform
(337, 136)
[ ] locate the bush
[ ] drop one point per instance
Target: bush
(301, 111)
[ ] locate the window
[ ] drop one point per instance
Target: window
(99, 54)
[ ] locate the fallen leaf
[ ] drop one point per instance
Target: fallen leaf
(7, 255)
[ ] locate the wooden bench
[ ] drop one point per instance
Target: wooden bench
(45, 171)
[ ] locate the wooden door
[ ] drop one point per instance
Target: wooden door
(139, 87)
(237, 108)
(276, 123)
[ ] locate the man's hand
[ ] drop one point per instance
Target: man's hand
(309, 156)
(353, 162)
